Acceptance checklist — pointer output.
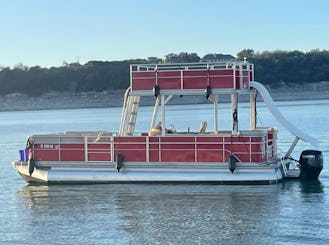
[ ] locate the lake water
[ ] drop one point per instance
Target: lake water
(291, 212)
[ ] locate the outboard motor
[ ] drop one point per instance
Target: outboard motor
(311, 164)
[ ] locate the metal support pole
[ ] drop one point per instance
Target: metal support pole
(155, 112)
(215, 101)
(253, 111)
(168, 99)
(294, 143)
(234, 102)
(163, 117)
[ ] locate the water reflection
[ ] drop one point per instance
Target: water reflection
(154, 214)
(314, 186)
(34, 196)
(59, 213)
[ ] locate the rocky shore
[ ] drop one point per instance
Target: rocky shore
(17, 101)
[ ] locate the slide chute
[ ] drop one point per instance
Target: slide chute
(281, 119)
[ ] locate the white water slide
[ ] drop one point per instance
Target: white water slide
(281, 119)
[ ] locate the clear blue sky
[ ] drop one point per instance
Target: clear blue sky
(48, 32)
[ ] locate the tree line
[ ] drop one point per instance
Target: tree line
(276, 68)
(282, 68)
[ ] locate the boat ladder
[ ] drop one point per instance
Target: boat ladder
(129, 115)
(284, 167)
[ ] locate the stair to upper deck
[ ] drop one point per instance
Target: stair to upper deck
(129, 115)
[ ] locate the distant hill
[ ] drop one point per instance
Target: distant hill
(276, 69)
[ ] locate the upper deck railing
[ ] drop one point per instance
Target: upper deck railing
(185, 78)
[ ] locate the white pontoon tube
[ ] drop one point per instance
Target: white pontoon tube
(281, 119)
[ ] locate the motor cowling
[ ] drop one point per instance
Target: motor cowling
(311, 164)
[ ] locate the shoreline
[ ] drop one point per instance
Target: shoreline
(107, 99)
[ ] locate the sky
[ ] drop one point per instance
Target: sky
(50, 32)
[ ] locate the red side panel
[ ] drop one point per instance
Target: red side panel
(251, 76)
(243, 157)
(237, 139)
(221, 79)
(177, 155)
(154, 155)
(237, 79)
(191, 79)
(210, 155)
(257, 157)
(209, 149)
(161, 149)
(210, 146)
(238, 148)
(195, 79)
(143, 80)
(72, 152)
(209, 139)
(270, 139)
(99, 152)
(177, 139)
(133, 149)
(177, 149)
(169, 79)
(46, 152)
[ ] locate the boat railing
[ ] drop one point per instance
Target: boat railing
(190, 78)
(170, 148)
(191, 66)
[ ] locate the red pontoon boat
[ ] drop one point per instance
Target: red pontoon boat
(210, 155)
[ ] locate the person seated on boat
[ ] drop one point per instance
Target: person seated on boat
(203, 127)
(156, 130)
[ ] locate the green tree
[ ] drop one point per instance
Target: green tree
(247, 54)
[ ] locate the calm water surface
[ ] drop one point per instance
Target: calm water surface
(291, 212)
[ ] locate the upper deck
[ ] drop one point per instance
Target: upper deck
(192, 78)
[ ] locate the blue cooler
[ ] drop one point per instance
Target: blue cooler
(24, 155)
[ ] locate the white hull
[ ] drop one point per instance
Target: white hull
(139, 172)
